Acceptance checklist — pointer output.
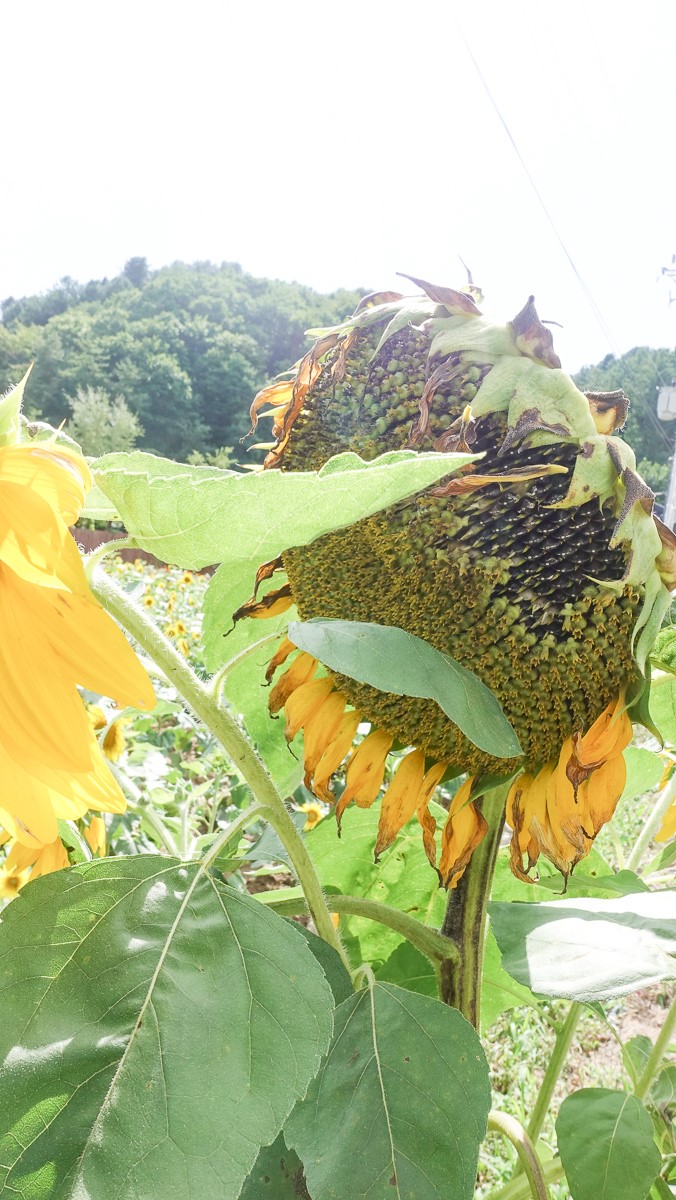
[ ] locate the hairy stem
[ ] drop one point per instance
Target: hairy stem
(531, 1166)
(220, 721)
(657, 814)
(427, 940)
(465, 921)
(520, 1189)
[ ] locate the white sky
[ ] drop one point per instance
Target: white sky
(336, 144)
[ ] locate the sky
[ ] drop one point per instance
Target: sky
(339, 144)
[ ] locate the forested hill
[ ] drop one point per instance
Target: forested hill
(187, 347)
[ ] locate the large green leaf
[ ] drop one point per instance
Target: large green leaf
(197, 516)
(586, 949)
(157, 1028)
(277, 1174)
(394, 661)
(606, 1145)
(400, 1104)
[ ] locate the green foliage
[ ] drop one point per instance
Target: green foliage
(640, 373)
(399, 1105)
(401, 663)
(589, 949)
(606, 1144)
(186, 346)
(156, 1032)
(101, 424)
(197, 516)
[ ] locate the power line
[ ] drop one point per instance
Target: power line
(590, 299)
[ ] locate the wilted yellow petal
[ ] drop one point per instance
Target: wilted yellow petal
(427, 822)
(610, 734)
(604, 788)
(302, 704)
(334, 754)
(285, 648)
(301, 670)
(365, 771)
(464, 829)
(400, 800)
(320, 729)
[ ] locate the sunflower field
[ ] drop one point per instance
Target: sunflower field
(337, 848)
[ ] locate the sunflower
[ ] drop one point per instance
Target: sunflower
(58, 637)
(540, 567)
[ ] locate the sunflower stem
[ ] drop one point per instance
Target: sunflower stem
(564, 1038)
(652, 1067)
(220, 721)
(657, 814)
(92, 560)
(515, 1133)
(465, 921)
(434, 945)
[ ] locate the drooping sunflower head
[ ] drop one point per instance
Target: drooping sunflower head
(540, 568)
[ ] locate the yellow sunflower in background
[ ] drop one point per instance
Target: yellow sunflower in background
(540, 567)
(55, 637)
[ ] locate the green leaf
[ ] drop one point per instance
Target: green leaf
(622, 883)
(664, 651)
(499, 991)
(277, 1175)
(97, 505)
(156, 1031)
(663, 707)
(410, 969)
(403, 878)
(330, 962)
(644, 771)
(635, 1055)
(198, 516)
(394, 661)
(606, 1145)
(663, 1090)
(405, 1096)
(10, 412)
(589, 949)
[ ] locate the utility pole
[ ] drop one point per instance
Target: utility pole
(666, 411)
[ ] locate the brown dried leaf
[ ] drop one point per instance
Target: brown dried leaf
(532, 337)
(608, 409)
(459, 304)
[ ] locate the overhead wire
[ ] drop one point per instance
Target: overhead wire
(603, 325)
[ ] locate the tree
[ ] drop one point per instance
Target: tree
(102, 424)
(136, 271)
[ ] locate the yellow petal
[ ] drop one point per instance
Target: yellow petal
(322, 726)
(95, 833)
(334, 754)
(609, 735)
(281, 654)
(301, 670)
(464, 829)
(365, 771)
(604, 788)
(400, 800)
(53, 857)
(425, 818)
(302, 704)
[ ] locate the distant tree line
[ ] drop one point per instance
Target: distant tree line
(171, 359)
(180, 351)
